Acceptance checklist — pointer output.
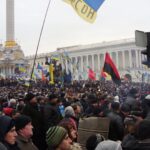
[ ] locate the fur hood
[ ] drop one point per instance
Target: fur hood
(76, 146)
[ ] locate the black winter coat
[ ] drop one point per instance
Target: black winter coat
(116, 129)
(51, 116)
(38, 137)
(131, 143)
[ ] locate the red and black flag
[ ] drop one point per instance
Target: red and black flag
(110, 68)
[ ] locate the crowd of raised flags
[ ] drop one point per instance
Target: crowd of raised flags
(61, 68)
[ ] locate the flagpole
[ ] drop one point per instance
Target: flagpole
(39, 43)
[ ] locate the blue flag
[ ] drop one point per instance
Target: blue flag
(39, 67)
(95, 4)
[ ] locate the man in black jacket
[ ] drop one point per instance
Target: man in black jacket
(51, 112)
(116, 130)
(32, 110)
(139, 141)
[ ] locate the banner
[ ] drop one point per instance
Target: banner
(86, 9)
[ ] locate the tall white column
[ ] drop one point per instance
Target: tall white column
(130, 59)
(123, 59)
(10, 20)
(87, 61)
(76, 69)
(98, 57)
(81, 63)
(117, 62)
(93, 62)
(71, 65)
(76, 58)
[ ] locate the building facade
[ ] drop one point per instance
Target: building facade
(124, 53)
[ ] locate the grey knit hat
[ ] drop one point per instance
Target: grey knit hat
(55, 135)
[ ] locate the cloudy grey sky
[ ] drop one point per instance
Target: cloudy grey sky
(116, 19)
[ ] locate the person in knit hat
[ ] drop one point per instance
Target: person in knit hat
(24, 129)
(109, 145)
(7, 134)
(57, 138)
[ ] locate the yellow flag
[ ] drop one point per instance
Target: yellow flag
(51, 71)
(22, 69)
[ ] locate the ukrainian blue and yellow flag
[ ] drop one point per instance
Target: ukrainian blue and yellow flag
(86, 9)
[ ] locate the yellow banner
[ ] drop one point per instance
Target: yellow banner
(51, 71)
(83, 10)
(22, 69)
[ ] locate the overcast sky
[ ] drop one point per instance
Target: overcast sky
(116, 19)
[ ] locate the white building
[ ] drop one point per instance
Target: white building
(125, 54)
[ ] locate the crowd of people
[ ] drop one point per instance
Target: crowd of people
(47, 117)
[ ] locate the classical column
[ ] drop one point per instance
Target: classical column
(93, 62)
(98, 57)
(10, 73)
(123, 59)
(81, 63)
(130, 59)
(10, 40)
(71, 67)
(117, 62)
(87, 61)
(76, 69)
